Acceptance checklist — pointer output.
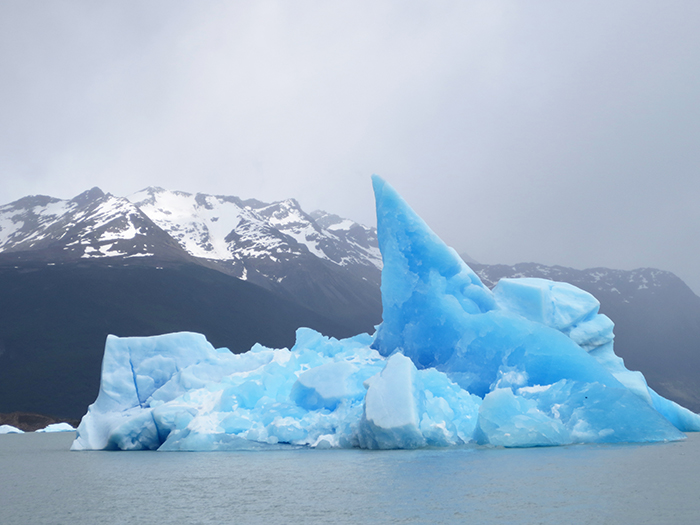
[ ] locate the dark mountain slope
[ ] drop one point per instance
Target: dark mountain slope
(54, 320)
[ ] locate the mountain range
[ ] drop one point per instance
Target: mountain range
(328, 264)
(244, 271)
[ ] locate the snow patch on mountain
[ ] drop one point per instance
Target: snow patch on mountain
(225, 228)
(199, 224)
(89, 225)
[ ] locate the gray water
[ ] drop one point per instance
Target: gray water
(42, 482)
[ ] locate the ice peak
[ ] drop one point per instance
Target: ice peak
(421, 273)
(410, 247)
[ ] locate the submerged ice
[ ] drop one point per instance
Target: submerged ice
(529, 363)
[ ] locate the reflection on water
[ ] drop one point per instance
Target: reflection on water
(42, 482)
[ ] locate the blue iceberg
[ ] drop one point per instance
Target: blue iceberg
(529, 363)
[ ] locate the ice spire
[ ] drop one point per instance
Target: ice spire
(437, 312)
(421, 274)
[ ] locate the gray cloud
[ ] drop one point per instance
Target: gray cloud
(562, 133)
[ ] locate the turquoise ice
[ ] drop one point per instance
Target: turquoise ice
(529, 363)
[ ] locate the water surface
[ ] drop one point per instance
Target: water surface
(42, 482)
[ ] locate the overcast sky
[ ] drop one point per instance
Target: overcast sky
(525, 131)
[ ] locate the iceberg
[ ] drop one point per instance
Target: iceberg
(57, 427)
(9, 429)
(529, 363)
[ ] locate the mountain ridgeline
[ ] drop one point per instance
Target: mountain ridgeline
(331, 269)
(241, 272)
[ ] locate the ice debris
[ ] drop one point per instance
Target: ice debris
(9, 429)
(530, 363)
(57, 427)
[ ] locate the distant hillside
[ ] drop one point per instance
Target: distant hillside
(54, 321)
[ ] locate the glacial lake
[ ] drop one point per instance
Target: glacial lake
(42, 482)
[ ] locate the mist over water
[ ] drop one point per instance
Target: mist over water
(42, 482)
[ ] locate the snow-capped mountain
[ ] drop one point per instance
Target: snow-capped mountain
(219, 228)
(92, 225)
(328, 264)
(251, 237)
(332, 267)
(244, 234)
